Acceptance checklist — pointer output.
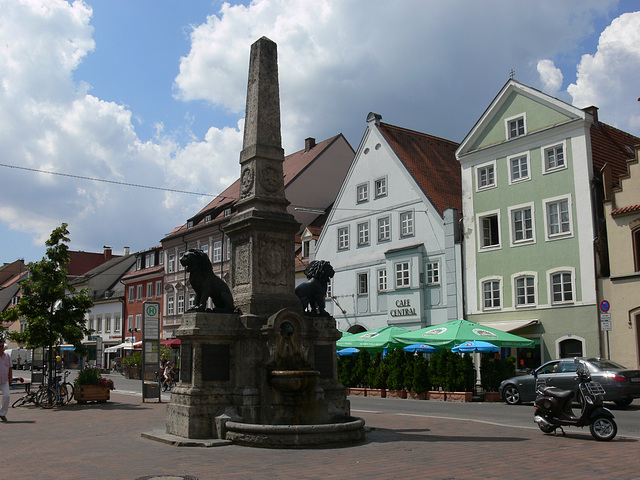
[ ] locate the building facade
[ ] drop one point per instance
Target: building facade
(393, 234)
(529, 181)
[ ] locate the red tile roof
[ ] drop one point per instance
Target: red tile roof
(618, 212)
(612, 146)
(81, 262)
(432, 163)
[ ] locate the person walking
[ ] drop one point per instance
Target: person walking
(6, 377)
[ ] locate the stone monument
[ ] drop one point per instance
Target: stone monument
(265, 374)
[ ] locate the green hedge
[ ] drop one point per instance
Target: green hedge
(400, 370)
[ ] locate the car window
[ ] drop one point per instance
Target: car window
(568, 367)
(547, 368)
(606, 364)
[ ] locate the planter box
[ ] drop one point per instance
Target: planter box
(459, 396)
(91, 393)
(377, 392)
(417, 396)
(492, 397)
(437, 395)
(396, 394)
(357, 392)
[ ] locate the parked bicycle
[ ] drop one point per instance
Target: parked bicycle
(44, 397)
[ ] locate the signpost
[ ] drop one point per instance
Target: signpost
(150, 350)
(605, 322)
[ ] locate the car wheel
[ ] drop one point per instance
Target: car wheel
(623, 403)
(511, 395)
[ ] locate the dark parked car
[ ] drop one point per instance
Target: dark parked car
(620, 384)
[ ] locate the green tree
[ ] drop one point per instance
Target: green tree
(53, 310)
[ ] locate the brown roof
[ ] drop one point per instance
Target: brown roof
(432, 163)
(293, 165)
(614, 147)
(618, 212)
(81, 262)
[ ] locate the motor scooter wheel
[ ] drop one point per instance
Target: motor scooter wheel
(603, 428)
(546, 428)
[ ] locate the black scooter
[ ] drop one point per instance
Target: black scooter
(553, 407)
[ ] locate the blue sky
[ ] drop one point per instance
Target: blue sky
(152, 92)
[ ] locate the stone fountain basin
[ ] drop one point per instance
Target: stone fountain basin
(293, 380)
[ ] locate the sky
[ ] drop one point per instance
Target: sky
(152, 93)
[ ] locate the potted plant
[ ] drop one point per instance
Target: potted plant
(90, 386)
(132, 364)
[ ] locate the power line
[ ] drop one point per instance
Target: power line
(126, 184)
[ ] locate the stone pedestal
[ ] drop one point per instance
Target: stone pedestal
(244, 367)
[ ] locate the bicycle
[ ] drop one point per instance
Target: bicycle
(64, 389)
(44, 397)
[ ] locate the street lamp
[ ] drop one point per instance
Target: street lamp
(132, 331)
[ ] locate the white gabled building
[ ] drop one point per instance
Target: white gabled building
(393, 234)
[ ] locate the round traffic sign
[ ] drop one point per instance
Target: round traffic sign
(604, 305)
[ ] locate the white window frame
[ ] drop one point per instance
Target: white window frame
(547, 224)
(380, 187)
(180, 304)
(478, 172)
(507, 126)
(192, 300)
(139, 262)
(492, 280)
(107, 323)
(543, 153)
(480, 228)
(139, 321)
(407, 224)
(402, 272)
(217, 251)
(116, 322)
(158, 288)
(363, 234)
(432, 273)
(384, 231)
(362, 193)
(180, 266)
(132, 293)
(382, 280)
(512, 230)
(527, 162)
(149, 290)
(362, 279)
(343, 238)
(228, 242)
(525, 275)
(130, 321)
(149, 260)
(170, 305)
(139, 292)
(562, 271)
(171, 263)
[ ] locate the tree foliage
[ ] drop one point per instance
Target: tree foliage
(54, 312)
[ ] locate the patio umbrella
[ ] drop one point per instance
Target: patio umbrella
(450, 334)
(419, 348)
(379, 339)
(347, 352)
(171, 342)
(476, 346)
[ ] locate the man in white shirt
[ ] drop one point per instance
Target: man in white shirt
(6, 377)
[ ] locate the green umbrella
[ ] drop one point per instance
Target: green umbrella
(450, 334)
(378, 339)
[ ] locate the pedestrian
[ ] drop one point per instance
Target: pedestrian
(6, 376)
(19, 361)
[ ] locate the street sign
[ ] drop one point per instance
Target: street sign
(605, 326)
(150, 349)
(605, 306)
(605, 317)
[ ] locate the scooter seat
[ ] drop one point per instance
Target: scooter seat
(557, 392)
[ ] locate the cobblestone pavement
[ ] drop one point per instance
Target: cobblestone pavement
(103, 441)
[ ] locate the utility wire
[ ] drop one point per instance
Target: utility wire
(109, 181)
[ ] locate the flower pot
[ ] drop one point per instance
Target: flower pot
(396, 394)
(91, 393)
(417, 396)
(377, 392)
(437, 395)
(459, 396)
(492, 397)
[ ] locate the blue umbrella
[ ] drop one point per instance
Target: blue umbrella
(476, 346)
(420, 348)
(348, 351)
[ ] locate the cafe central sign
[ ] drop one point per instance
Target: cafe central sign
(404, 309)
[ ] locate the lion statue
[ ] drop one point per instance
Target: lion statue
(206, 283)
(313, 292)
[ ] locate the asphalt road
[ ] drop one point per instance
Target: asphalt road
(628, 419)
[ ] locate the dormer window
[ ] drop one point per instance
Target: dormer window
(227, 212)
(207, 219)
(516, 126)
(190, 224)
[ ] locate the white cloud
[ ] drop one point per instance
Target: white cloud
(550, 76)
(608, 79)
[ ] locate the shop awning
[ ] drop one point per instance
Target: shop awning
(67, 347)
(115, 348)
(510, 325)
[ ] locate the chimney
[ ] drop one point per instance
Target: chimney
(107, 253)
(593, 111)
(126, 251)
(309, 143)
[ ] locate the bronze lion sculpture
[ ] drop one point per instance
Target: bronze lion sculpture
(313, 292)
(206, 283)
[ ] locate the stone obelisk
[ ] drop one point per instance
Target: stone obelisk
(262, 232)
